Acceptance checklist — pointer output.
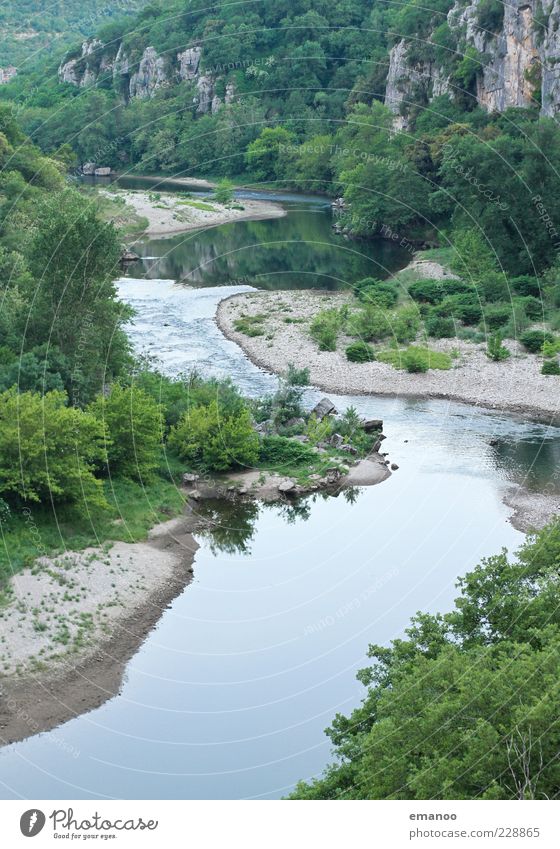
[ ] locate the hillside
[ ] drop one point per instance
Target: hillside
(29, 27)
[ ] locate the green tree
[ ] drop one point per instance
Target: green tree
(134, 425)
(216, 440)
(267, 155)
(49, 450)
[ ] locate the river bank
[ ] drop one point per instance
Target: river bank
(76, 620)
(474, 379)
(169, 214)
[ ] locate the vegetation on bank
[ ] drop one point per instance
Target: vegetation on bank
(465, 706)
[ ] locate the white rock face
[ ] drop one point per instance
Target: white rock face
(150, 76)
(514, 60)
(189, 61)
(205, 93)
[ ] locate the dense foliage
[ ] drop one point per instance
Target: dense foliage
(466, 706)
(29, 26)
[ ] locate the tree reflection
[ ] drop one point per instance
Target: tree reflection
(229, 526)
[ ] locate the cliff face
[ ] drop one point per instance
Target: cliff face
(143, 77)
(516, 60)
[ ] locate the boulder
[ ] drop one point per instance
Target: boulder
(349, 449)
(189, 479)
(394, 467)
(103, 172)
(336, 440)
(325, 407)
(370, 425)
(286, 486)
(88, 169)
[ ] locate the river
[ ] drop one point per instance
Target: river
(229, 694)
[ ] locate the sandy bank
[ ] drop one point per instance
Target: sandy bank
(515, 385)
(169, 214)
(77, 619)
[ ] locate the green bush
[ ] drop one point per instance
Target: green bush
(379, 292)
(208, 438)
(550, 367)
(496, 350)
(250, 325)
(526, 285)
(278, 451)
(465, 307)
(532, 307)
(439, 327)
(533, 340)
(360, 352)
(134, 424)
(415, 360)
(496, 316)
(325, 328)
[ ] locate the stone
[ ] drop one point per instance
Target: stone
(324, 408)
(370, 425)
(88, 169)
(105, 171)
(189, 478)
(394, 467)
(286, 486)
(189, 61)
(150, 75)
(349, 449)
(336, 440)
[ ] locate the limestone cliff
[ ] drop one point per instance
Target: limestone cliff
(142, 76)
(514, 56)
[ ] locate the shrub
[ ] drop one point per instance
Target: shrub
(325, 328)
(496, 350)
(405, 324)
(278, 451)
(378, 292)
(318, 430)
(371, 322)
(415, 361)
(495, 287)
(496, 316)
(550, 367)
(464, 307)
(533, 340)
(551, 349)
(532, 307)
(427, 291)
(134, 423)
(360, 352)
(218, 442)
(526, 285)
(60, 447)
(439, 327)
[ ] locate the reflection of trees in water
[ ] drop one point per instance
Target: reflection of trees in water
(229, 525)
(299, 252)
(532, 462)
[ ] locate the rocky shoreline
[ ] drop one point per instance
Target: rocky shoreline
(474, 379)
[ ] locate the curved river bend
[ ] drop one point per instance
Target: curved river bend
(229, 695)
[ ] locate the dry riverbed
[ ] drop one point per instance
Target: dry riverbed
(75, 621)
(169, 214)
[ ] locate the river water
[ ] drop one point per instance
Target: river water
(229, 695)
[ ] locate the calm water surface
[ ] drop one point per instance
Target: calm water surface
(229, 695)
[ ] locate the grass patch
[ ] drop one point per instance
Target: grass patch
(197, 204)
(415, 359)
(133, 510)
(250, 325)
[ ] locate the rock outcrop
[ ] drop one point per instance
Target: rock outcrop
(144, 77)
(518, 61)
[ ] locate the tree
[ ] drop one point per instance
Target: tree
(216, 440)
(74, 257)
(49, 451)
(224, 191)
(134, 425)
(267, 155)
